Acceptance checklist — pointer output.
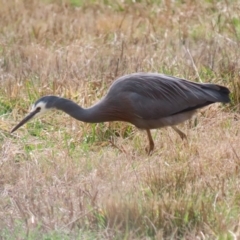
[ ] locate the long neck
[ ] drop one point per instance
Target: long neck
(94, 114)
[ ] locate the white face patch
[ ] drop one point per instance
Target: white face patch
(37, 110)
(42, 111)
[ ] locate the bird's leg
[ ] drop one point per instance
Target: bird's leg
(151, 143)
(181, 134)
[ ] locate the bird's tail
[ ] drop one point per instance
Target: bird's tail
(218, 92)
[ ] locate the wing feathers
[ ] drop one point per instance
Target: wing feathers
(153, 96)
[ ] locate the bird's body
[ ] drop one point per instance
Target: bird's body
(147, 100)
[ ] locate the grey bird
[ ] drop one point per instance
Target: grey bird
(146, 100)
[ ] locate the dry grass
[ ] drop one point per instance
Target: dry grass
(62, 179)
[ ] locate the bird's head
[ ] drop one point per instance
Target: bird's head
(40, 107)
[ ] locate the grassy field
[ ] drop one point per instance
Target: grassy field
(64, 179)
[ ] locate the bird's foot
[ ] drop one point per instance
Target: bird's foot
(183, 136)
(149, 151)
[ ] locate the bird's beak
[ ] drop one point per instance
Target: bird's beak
(26, 119)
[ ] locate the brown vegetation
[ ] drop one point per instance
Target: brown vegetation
(70, 180)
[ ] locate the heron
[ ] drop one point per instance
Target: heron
(146, 100)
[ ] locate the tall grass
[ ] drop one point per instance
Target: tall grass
(63, 179)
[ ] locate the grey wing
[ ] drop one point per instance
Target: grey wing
(153, 96)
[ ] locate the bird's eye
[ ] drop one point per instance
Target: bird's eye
(38, 109)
